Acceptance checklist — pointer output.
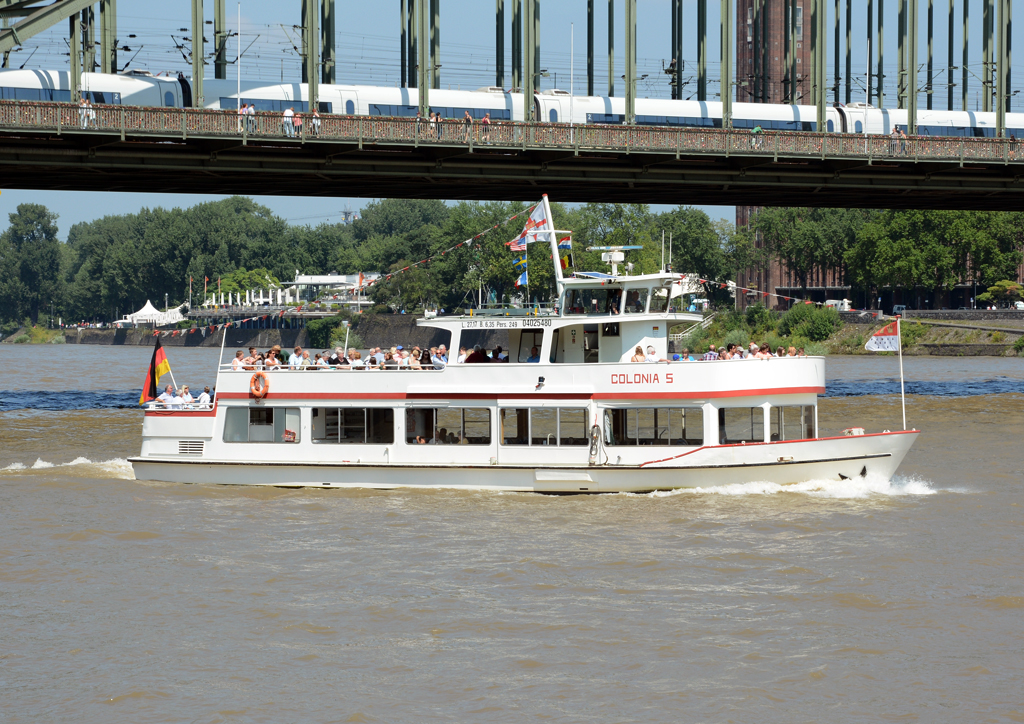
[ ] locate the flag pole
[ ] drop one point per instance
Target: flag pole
(903, 396)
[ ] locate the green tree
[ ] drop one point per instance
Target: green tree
(34, 254)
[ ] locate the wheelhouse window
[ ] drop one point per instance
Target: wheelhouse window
(354, 425)
(594, 301)
(261, 424)
(792, 422)
(682, 426)
(563, 426)
(740, 425)
(636, 301)
(448, 426)
(659, 299)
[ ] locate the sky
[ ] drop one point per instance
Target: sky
(368, 53)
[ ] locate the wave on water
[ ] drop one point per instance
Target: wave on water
(939, 388)
(68, 400)
(84, 467)
(868, 487)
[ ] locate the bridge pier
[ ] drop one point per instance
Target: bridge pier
(197, 53)
(630, 29)
(702, 50)
(590, 47)
(108, 36)
(517, 44)
(328, 59)
(75, 46)
(499, 43)
(423, 56)
(611, 47)
(726, 62)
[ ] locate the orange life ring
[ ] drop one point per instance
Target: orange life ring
(260, 390)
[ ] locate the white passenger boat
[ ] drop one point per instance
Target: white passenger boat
(580, 419)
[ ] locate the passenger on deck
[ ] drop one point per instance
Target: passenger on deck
(438, 358)
(638, 355)
(414, 360)
(186, 396)
(239, 361)
(167, 396)
(685, 356)
(306, 361)
(271, 362)
(204, 397)
(295, 359)
(500, 355)
(355, 360)
(792, 352)
(652, 355)
(462, 355)
(800, 352)
(389, 361)
(534, 356)
(711, 354)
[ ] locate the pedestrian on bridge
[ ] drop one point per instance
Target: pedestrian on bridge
(467, 125)
(286, 122)
(297, 123)
(315, 123)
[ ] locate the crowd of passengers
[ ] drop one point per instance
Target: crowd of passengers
(398, 357)
(183, 399)
(726, 352)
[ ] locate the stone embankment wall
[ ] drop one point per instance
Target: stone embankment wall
(236, 338)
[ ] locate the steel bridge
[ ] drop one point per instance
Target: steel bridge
(58, 146)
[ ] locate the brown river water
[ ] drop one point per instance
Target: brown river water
(857, 601)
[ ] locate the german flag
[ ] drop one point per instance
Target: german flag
(158, 367)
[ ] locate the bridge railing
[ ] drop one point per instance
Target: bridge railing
(187, 122)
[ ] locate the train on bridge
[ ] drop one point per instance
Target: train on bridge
(141, 88)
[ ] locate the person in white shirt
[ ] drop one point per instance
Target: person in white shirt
(250, 118)
(652, 355)
(167, 396)
(462, 355)
(238, 362)
(204, 398)
(295, 359)
(287, 122)
(186, 397)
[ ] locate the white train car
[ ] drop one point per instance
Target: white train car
(354, 100)
(134, 88)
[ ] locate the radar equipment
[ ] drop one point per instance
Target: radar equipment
(614, 256)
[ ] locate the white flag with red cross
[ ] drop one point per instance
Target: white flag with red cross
(887, 339)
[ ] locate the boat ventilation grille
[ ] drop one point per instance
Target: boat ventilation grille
(190, 447)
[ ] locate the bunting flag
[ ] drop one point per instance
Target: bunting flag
(158, 367)
(523, 280)
(565, 243)
(519, 263)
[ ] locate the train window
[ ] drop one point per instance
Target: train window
(325, 107)
(858, 127)
(609, 118)
(35, 94)
(553, 116)
(382, 109)
(350, 108)
(453, 112)
(169, 99)
(102, 97)
(831, 127)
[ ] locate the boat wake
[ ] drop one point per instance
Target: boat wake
(838, 489)
(82, 466)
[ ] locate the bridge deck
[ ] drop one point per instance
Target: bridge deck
(121, 148)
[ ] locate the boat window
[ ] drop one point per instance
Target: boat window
(448, 426)
(795, 422)
(554, 347)
(594, 301)
(544, 426)
(610, 329)
(261, 424)
(636, 301)
(654, 426)
(740, 424)
(659, 299)
(354, 425)
(527, 341)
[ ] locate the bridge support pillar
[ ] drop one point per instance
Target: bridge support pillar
(611, 47)
(328, 54)
(630, 30)
(108, 36)
(871, 48)
(435, 43)
(590, 47)
(931, 53)
(499, 43)
(412, 33)
(880, 87)
(726, 62)
(964, 99)
(220, 40)
(197, 54)
(311, 50)
(423, 59)
(820, 48)
(986, 55)
(403, 43)
(1002, 66)
(912, 37)
(517, 44)
(901, 53)
(849, 55)
(702, 50)
(529, 77)
(89, 41)
(75, 47)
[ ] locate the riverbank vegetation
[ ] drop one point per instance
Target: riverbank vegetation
(111, 266)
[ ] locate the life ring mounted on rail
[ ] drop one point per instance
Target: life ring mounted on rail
(259, 385)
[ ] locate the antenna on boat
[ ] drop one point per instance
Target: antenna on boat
(662, 251)
(613, 255)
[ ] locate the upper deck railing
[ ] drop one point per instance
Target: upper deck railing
(188, 123)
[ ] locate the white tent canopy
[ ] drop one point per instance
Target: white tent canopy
(151, 315)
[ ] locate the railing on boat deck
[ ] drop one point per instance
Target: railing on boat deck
(368, 130)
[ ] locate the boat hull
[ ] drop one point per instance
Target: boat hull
(867, 456)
